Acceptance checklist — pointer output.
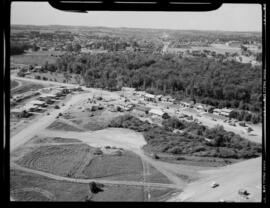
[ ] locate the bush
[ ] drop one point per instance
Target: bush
(242, 124)
(56, 107)
(37, 77)
(172, 123)
(175, 150)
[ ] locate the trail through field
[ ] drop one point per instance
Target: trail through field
(71, 123)
(87, 181)
(45, 193)
(18, 86)
(146, 174)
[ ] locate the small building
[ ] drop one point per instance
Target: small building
(141, 110)
(225, 112)
(159, 97)
(187, 104)
(217, 111)
(199, 106)
(149, 97)
(38, 103)
(157, 112)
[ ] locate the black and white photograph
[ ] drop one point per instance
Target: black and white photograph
(136, 106)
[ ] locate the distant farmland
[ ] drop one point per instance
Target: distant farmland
(35, 58)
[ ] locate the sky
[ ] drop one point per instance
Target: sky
(229, 17)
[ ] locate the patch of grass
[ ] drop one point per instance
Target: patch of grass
(24, 195)
(13, 84)
(67, 159)
(39, 58)
(26, 86)
(161, 194)
(58, 125)
(120, 193)
(128, 166)
(62, 191)
(157, 177)
(67, 191)
(37, 140)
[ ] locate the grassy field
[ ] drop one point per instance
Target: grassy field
(59, 77)
(125, 167)
(58, 125)
(62, 191)
(157, 177)
(25, 87)
(93, 121)
(35, 58)
(13, 84)
(39, 140)
(66, 191)
(67, 159)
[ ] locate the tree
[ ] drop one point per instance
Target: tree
(77, 47)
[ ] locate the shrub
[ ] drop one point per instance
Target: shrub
(172, 123)
(56, 107)
(37, 77)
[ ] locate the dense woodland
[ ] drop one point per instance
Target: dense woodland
(221, 84)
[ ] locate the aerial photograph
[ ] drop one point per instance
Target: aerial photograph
(136, 106)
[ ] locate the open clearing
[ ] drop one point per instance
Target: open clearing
(66, 159)
(244, 175)
(128, 166)
(26, 87)
(13, 84)
(38, 58)
(60, 125)
(40, 188)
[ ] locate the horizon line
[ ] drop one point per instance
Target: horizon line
(124, 27)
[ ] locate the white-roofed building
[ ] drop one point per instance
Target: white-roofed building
(157, 111)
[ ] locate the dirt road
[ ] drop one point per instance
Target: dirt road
(31, 130)
(87, 181)
(243, 175)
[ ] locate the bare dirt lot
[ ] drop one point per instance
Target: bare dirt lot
(244, 175)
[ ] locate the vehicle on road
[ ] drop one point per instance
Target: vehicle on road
(214, 185)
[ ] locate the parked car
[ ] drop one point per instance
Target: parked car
(214, 185)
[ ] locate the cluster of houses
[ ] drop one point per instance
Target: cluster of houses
(43, 100)
(206, 108)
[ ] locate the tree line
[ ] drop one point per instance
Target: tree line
(221, 84)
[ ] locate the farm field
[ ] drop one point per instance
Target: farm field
(35, 58)
(128, 166)
(67, 158)
(60, 125)
(25, 87)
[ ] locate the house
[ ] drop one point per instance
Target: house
(159, 97)
(187, 104)
(38, 103)
(157, 112)
(199, 106)
(216, 111)
(141, 110)
(225, 112)
(149, 97)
